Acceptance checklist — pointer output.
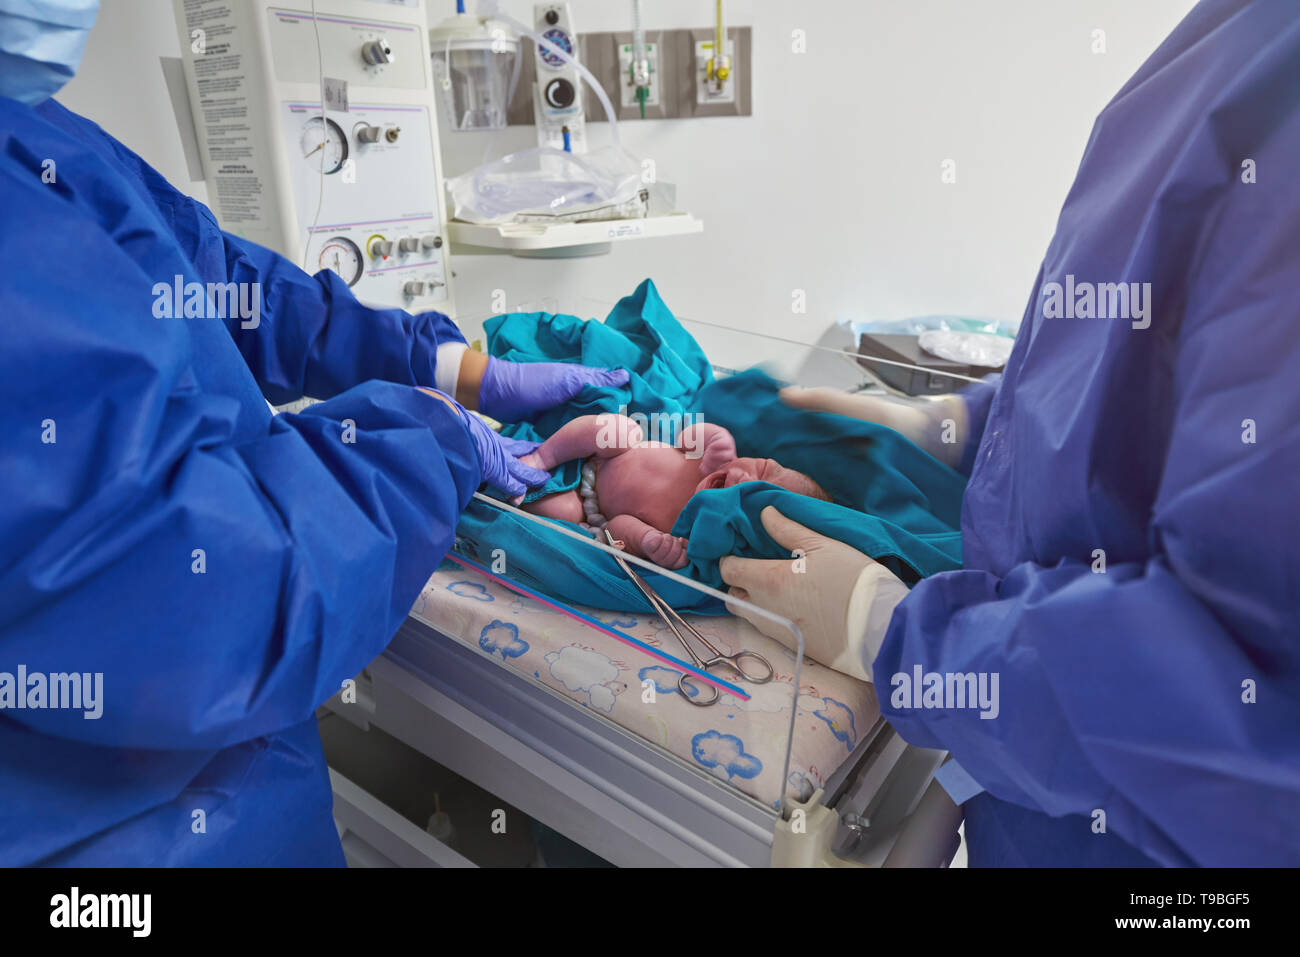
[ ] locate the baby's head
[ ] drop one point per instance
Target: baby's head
(765, 470)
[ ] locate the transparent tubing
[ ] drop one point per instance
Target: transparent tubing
(584, 541)
(490, 8)
(638, 34)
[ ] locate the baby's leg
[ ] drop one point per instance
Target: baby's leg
(711, 444)
(603, 436)
(566, 506)
(648, 542)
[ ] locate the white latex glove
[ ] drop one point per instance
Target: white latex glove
(840, 599)
(939, 426)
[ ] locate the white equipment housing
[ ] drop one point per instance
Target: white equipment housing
(355, 187)
(557, 95)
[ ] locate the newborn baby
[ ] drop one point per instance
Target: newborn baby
(637, 488)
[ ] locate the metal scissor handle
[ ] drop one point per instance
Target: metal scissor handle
(733, 662)
(692, 689)
(727, 661)
(687, 683)
(676, 623)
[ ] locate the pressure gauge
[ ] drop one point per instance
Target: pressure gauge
(561, 39)
(324, 145)
(343, 256)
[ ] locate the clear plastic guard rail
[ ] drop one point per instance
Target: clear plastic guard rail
(666, 670)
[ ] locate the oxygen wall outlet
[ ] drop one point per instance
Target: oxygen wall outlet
(628, 87)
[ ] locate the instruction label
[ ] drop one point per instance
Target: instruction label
(223, 111)
(625, 231)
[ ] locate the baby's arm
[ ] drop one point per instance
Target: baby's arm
(711, 444)
(648, 542)
(604, 436)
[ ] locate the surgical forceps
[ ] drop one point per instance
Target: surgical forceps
(676, 623)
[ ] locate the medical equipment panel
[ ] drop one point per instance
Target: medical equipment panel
(557, 95)
(318, 137)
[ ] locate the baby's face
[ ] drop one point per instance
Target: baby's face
(763, 470)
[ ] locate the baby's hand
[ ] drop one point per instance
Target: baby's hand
(717, 454)
(664, 550)
(713, 445)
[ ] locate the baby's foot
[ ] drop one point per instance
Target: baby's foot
(664, 550)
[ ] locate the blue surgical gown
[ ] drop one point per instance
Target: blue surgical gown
(223, 569)
(1158, 698)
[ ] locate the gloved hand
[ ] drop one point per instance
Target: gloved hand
(940, 426)
(840, 599)
(497, 454)
(512, 391)
(516, 447)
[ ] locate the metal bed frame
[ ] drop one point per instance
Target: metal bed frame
(614, 793)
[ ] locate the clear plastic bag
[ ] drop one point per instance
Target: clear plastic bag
(550, 185)
(972, 348)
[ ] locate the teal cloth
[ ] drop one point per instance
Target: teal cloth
(667, 367)
(893, 501)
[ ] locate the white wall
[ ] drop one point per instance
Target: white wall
(832, 186)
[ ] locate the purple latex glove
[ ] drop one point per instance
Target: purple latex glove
(501, 469)
(498, 455)
(517, 447)
(513, 391)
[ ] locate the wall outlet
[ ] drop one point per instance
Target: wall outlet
(707, 91)
(735, 96)
(627, 89)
